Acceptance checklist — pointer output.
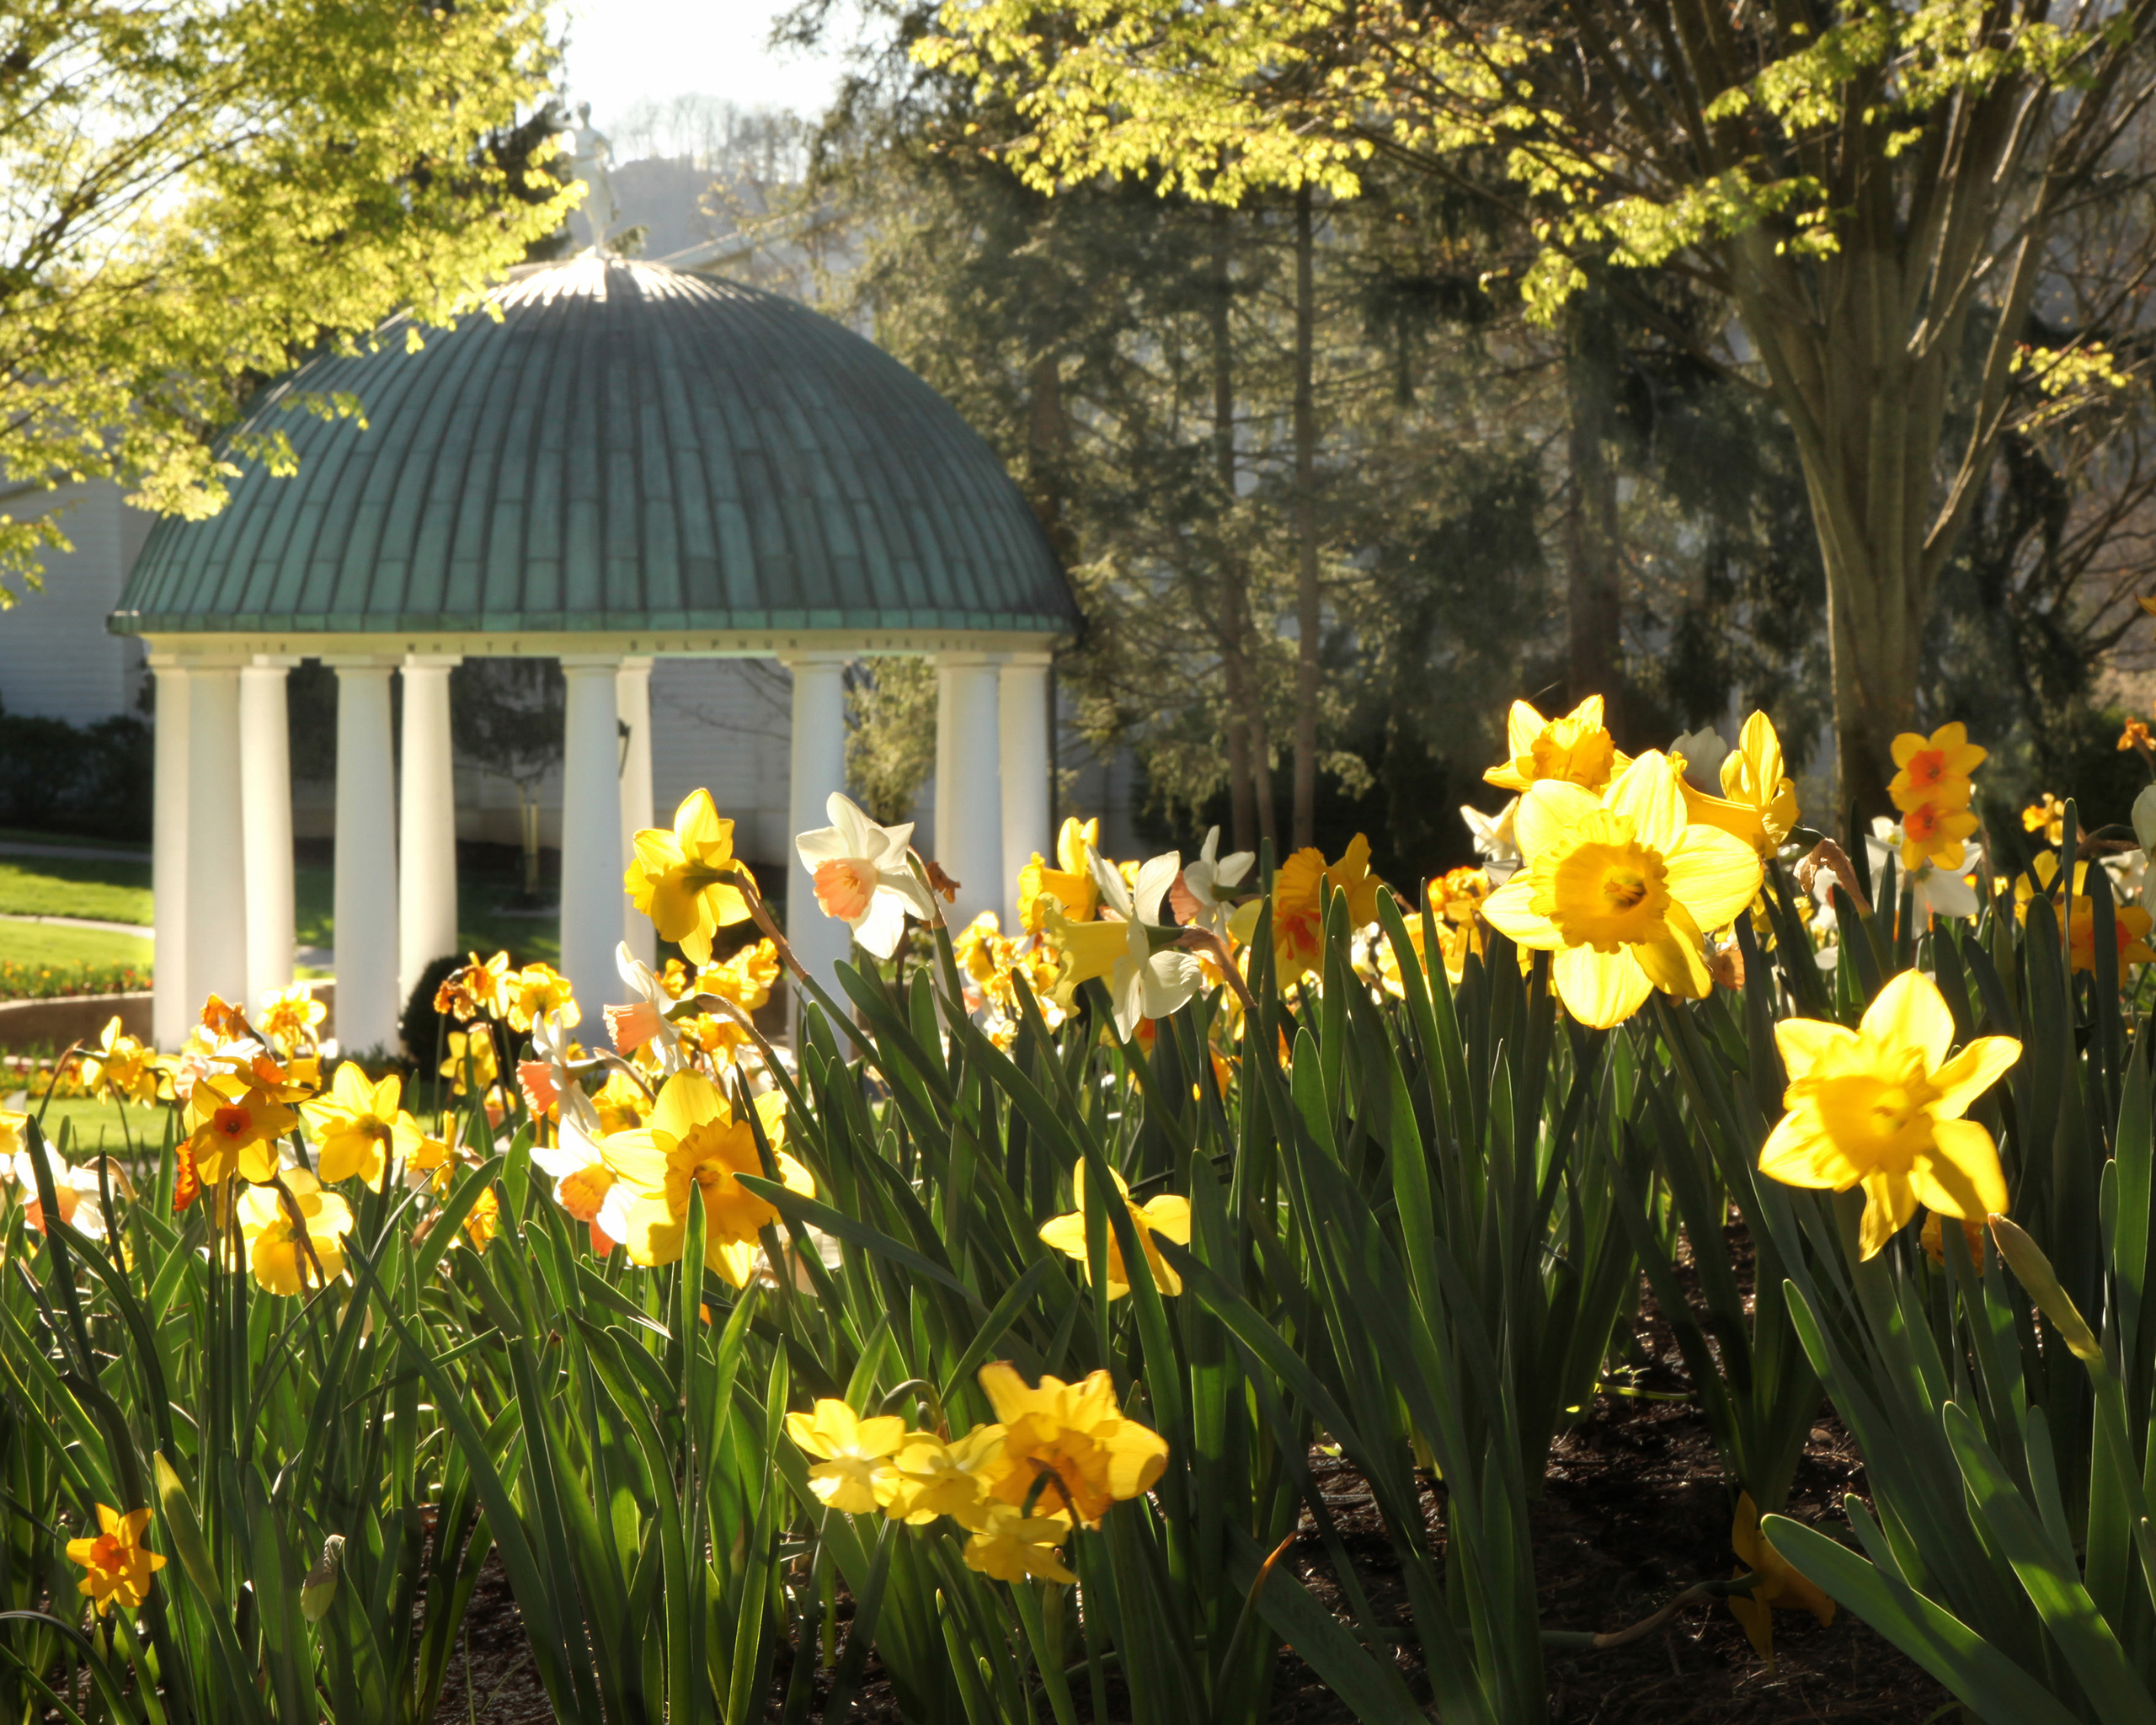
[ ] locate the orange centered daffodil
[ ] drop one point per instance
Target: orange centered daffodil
(1935, 769)
(1074, 1438)
(1618, 889)
(1880, 1106)
(119, 1567)
(1167, 1216)
(692, 1138)
(233, 1128)
(1576, 749)
(1300, 888)
(685, 879)
(1934, 832)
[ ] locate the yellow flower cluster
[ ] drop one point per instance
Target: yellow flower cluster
(1455, 900)
(1058, 1455)
(489, 988)
(1626, 867)
(994, 962)
(2130, 923)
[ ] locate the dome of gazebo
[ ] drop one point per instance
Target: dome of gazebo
(624, 448)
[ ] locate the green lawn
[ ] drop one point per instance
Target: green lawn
(99, 1125)
(480, 928)
(29, 943)
(67, 886)
(118, 891)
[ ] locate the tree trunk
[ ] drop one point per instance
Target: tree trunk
(1048, 437)
(1229, 605)
(1594, 573)
(1309, 618)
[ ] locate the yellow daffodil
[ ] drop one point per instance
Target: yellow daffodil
(470, 1061)
(1779, 1587)
(273, 1252)
(1300, 886)
(233, 1127)
(2046, 816)
(484, 1220)
(746, 979)
(536, 990)
(1074, 1440)
(1935, 769)
(856, 1473)
(1069, 882)
(939, 1478)
(685, 880)
(1576, 749)
(118, 1566)
(358, 1125)
(1757, 802)
(621, 1103)
(692, 1138)
(1167, 1216)
(1618, 890)
(292, 1017)
(1014, 1547)
(1880, 1106)
(121, 1065)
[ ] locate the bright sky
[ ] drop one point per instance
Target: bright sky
(620, 50)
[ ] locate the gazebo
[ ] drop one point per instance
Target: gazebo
(610, 462)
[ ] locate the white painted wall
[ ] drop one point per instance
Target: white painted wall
(57, 661)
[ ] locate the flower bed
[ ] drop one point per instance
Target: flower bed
(1081, 1316)
(42, 982)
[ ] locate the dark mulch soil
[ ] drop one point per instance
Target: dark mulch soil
(1635, 1509)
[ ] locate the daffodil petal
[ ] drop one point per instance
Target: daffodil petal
(1548, 811)
(1910, 1014)
(1646, 795)
(1805, 1043)
(1890, 1200)
(1511, 912)
(1961, 1177)
(1713, 873)
(1972, 1072)
(1598, 989)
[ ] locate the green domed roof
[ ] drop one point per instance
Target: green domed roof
(627, 448)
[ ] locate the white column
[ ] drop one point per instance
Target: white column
(266, 824)
(821, 943)
(969, 793)
(426, 827)
(216, 867)
(170, 1008)
(367, 1000)
(632, 707)
(1022, 703)
(591, 834)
